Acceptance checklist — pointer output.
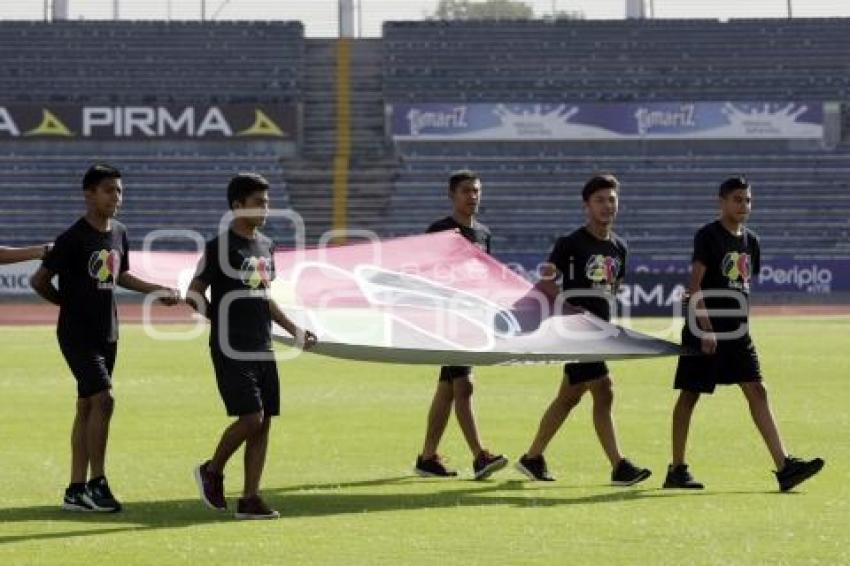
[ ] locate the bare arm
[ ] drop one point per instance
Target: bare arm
(709, 342)
(42, 283)
(196, 297)
(548, 283)
(130, 281)
(14, 255)
(284, 322)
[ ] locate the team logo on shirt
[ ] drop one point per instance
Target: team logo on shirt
(736, 268)
(103, 265)
(602, 268)
(256, 272)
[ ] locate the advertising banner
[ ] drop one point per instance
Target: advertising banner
(199, 122)
(777, 275)
(653, 286)
(624, 121)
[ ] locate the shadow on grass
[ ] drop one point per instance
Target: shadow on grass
(327, 499)
(137, 516)
(318, 500)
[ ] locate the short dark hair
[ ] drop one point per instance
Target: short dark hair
(242, 185)
(733, 184)
(458, 177)
(599, 182)
(97, 173)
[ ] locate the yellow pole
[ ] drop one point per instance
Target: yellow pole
(343, 136)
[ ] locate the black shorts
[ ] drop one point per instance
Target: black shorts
(247, 387)
(734, 361)
(450, 373)
(584, 372)
(91, 364)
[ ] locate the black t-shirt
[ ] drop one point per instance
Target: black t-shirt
(248, 318)
(730, 262)
(88, 263)
(478, 234)
(586, 262)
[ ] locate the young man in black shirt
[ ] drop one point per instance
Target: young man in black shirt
(455, 382)
(592, 262)
(238, 268)
(726, 256)
(90, 258)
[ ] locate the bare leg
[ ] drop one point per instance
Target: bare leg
(97, 430)
(79, 449)
(603, 421)
(255, 458)
(682, 413)
(756, 395)
(438, 418)
(568, 397)
(465, 413)
(232, 439)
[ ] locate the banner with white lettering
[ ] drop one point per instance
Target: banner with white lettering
(657, 120)
(63, 122)
(654, 287)
(15, 278)
(777, 275)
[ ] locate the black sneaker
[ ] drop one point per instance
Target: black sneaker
(796, 471)
(99, 496)
(485, 464)
(210, 487)
(627, 473)
(432, 468)
(74, 500)
(678, 477)
(534, 468)
(254, 508)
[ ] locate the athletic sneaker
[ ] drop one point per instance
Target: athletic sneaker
(534, 468)
(796, 471)
(627, 473)
(678, 477)
(211, 487)
(99, 496)
(254, 508)
(485, 464)
(74, 501)
(432, 468)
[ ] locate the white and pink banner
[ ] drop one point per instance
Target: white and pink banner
(430, 299)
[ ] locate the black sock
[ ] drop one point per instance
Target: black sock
(77, 487)
(96, 480)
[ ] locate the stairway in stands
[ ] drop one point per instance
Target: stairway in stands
(332, 140)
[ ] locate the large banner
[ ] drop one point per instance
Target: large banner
(63, 122)
(651, 285)
(662, 120)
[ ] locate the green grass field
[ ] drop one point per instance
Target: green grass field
(340, 461)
